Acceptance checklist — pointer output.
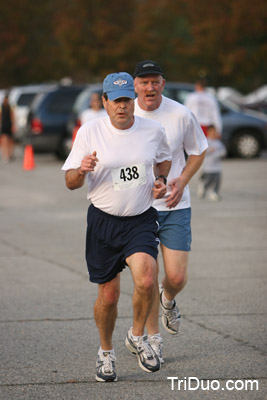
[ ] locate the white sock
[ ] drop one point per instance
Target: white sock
(135, 338)
(101, 351)
(155, 334)
(166, 302)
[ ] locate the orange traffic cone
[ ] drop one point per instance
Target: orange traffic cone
(28, 162)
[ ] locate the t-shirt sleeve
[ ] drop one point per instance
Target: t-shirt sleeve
(164, 151)
(78, 152)
(195, 141)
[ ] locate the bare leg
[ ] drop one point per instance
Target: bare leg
(152, 324)
(175, 264)
(143, 268)
(105, 311)
(5, 147)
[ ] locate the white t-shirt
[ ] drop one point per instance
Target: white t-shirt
(184, 134)
(89, 114)
(206, 109)
(123, 178)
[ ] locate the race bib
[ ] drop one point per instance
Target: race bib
(128, 177)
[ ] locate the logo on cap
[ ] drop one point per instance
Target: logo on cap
(120, 82)
(148, 65)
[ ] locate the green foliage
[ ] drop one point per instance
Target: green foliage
(85, 39)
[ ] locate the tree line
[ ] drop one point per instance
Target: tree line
(226, 41)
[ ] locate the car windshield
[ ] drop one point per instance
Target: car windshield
(26, 99)
(62, 102)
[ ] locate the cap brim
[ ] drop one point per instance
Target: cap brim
(121, 93)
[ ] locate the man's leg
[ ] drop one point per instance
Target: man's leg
(105, 311)
(152, 323)
(175, 265)
(144, 272)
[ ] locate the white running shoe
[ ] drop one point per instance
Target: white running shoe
(156, 343)
(147, 358)
(171, 318)
(105, 367)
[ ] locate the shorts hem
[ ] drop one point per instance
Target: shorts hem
(175, 248)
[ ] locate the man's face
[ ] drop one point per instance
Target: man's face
(149, 89)
(120, 112)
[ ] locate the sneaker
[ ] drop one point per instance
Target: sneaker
(105, 367)
(213, 196)
(156, 343)
(171, 318)
(147, 358)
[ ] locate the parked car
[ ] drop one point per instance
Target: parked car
(244, 132)
(260, 106)
(20, 98)
(48, 118)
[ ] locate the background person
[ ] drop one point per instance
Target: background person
(96, 109)
(7, 128)
(210, 181)
(117, 156)
(205, 107)
(184, 135)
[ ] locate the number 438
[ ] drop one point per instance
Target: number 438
(129, 173)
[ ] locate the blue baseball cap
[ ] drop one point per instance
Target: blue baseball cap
(119, 84)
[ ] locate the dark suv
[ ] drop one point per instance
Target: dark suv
(48, 117)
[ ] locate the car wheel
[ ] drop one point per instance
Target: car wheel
(247, 145)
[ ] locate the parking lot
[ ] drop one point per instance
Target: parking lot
(48, 336)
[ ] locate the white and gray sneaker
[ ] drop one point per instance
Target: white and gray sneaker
(147, 358)
(105, 367)
(171, 318)
(156, 343)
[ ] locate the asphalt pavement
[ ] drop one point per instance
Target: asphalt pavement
(49, 340)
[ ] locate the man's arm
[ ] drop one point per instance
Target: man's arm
(161, 170)
(178, 184)
(75, 177)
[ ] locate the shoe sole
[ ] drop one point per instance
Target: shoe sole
(133, 351)
(98, 379)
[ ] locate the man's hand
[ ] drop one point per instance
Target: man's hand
(88, 163)
(177, 187)
(75, 177)
(159, 190)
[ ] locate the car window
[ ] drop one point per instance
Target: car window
(25, 99)
(83, 100)
(62, 102)
(176, 94)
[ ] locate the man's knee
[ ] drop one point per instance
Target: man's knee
(178, 279)
(108, 294)
(144, 272)
(146, 283)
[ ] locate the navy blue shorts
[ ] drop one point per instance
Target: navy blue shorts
(111, 239)
(175, 229)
